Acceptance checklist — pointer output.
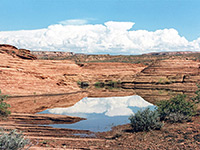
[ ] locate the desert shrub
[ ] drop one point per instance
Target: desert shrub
(196, 99)
(99, 84)
(177, 109)
(83, 84)
(12, 140)
(113, 83)
(178, 117)
(4, 112)
(79, 82)
(145, 120)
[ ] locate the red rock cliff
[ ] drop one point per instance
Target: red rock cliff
(15, 52)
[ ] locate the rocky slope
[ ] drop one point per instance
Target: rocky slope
(33, 77)
(15, 52)
(108, 71)
(20, 77)
(51, 54)
(145, 59)
(23, 77)
(178, 75)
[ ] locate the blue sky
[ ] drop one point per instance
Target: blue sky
(149, 15)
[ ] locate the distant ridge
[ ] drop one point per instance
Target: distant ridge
(171, 53)
(47, 54)
(15, 52)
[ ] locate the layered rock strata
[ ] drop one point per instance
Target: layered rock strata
(178, 75)
(108, 71)
(15, 52)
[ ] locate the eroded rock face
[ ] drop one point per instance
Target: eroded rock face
(108, 71)
(20, 77)
(35, 77)
(15, 52)
(177, 75)
(51, 54)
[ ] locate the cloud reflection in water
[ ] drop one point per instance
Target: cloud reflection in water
(101, 113)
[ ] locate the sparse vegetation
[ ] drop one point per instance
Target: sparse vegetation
(79, 82)
(83, 84)
(13, 140)
(177, 109)
(99, 84)
(111, 83)
(196, 99)
(164, 81)
(145, 120)
(4, 112)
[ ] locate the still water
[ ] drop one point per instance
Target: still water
(101, 113)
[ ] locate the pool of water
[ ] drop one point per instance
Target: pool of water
(101, 113)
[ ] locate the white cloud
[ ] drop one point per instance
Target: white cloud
(119, 26)
(112, 37)
(74, 22)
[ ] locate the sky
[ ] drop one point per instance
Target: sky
(101, 26)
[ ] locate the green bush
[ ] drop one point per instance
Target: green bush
(178, 117)
(79, 82)
(4, 112)
(177, 109)
(145, 120)
(113, 83)
(99, 84)
(12, 140)
(196, 99)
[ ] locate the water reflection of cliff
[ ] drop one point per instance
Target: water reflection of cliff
(151, 95)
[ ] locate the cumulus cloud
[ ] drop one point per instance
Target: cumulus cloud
(111, 37)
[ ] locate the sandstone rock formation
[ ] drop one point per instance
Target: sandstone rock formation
(15, 52)
(108, 71)
(178, 75)
(34, 77)
(23, 77)
(51, 54)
